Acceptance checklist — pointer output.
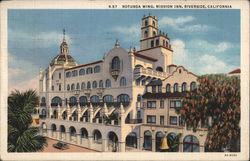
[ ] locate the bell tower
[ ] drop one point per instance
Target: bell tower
(149, 27)
(64, 46)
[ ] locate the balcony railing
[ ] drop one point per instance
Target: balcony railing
(134, 121)
(149, 72)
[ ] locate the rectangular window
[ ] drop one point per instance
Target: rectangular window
(59, 75)
(151, 104)
(175, 104)
(59, 87)
(162, 120)
(151, 119)
(181, 121)
(153, 89)
(161, 104)
(173, 120)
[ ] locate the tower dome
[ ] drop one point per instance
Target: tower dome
(63, 57)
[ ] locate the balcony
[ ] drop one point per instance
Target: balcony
(143, 72)
(133, 121)
(43, 104)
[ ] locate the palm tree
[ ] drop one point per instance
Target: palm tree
(21, 136)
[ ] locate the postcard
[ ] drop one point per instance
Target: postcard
(124, 80)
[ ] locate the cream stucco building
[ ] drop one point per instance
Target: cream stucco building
(124, 102)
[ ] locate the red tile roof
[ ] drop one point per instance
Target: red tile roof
(145, 57)
(234, 71)
(84, 65)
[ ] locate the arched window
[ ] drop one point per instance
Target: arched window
(147, 140)
(192, 86)
(77, 86)
(72, 86)
(74, 73)
(97, 69)
(166, 44)
(145, 34)
(124, 98)
(146, 22)
(108, 83)
(72, 101)
(82, 72)
(123, 81)
(108, 98)
(184, 87)
(94, 85)
(163, 43)
(152, 43)
(138, 98)
(83, 85)
(154, 23)
(84, 133)
(154, 33)
(159, 69)
(68, 87)
(100, 84)
(97, 136)
(88, 85)
(43, 100)
(83, 100)
(89, 70)
(60, 87)
(168, 88)
(157, 42)
(55, 101)
(191, 144)
(115, 63)
(176, 87)
(94, 99)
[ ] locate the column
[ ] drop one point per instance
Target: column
(104, 145)
(180, 144)
(153, 141)
(121, 147)
(91, 113)
(90, 138)
(138, 143)
(78, 139)
(58, 135)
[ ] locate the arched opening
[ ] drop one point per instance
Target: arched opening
(85, 116)
(83, 100)
(94, 84)
(43, 115)
(72, 87)
(131, 141)
(84, 133)
(124, 99)
(64, 115)
(115, 64)
(112, 142)
(72, 132)
(147, 140)
(97, 136)
(168, 88)
(82, 72)
(53, 129)
(89, 70)
(43, 102)
(83, 85)
(97, 69)
(158, 138)
(88, 85)
(108, 83)
(173, 142)
(176, 87)
(77, 86)
(72, 101)
(191, 144)
(56, 101)
(159, 69)
(146, 22)
(154, 33)
(145, 34)
(184, 87)
(100, 84)
(55, 114)
(44, 128)
(123, 82)
(95, 100)
(74, 116)
(192, 86)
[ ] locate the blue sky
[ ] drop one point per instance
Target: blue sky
(204, 41)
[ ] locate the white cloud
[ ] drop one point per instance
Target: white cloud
(204, 63)
(212, 47)
(180, 24)
(130, 32)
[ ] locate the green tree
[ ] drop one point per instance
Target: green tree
(215, 100)
(21, 136)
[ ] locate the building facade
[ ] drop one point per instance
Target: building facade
(120, 103)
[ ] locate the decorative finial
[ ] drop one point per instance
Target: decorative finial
(63, 34)
(117, 44)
